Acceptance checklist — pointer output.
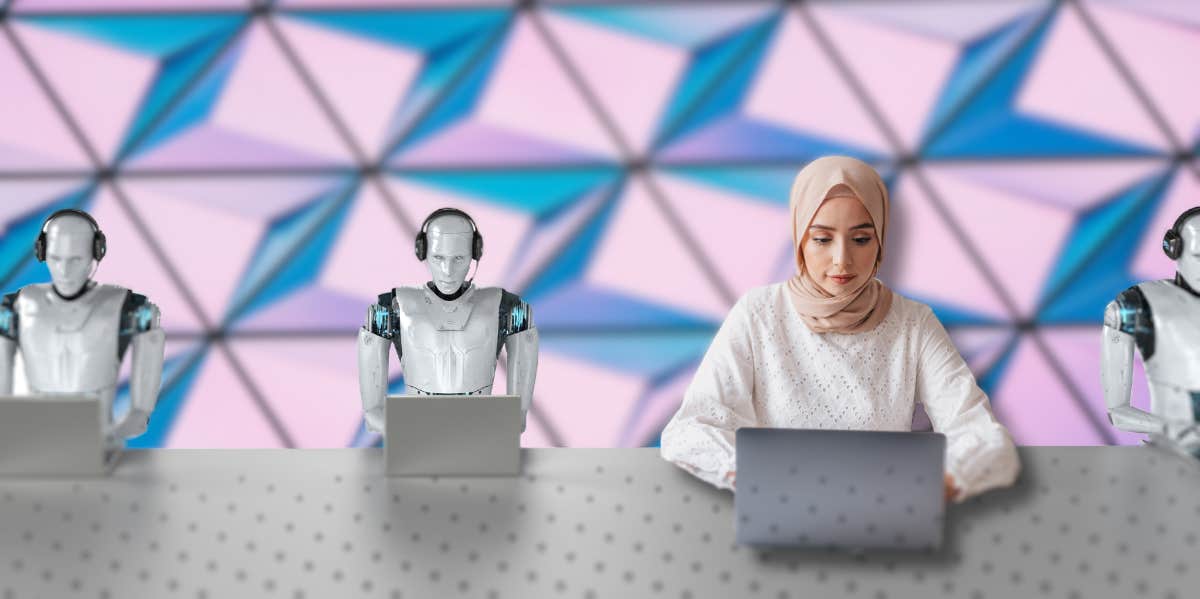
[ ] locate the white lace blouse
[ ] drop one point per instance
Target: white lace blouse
(766, 368)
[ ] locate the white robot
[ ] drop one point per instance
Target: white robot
(1162, 318)
(447, 333)
(73, 333)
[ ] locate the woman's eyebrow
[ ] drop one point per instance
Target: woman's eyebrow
(863, 226)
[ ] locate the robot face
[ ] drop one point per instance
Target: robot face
(449, 255)
(1188, 264)
(69, 253)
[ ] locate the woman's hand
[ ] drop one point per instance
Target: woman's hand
(952, 488)
(731, 478)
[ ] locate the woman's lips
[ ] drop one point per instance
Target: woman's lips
(842, 279)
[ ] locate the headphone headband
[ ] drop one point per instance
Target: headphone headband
(99, 241)
(421, 246)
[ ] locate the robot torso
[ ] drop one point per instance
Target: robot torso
(448, 346)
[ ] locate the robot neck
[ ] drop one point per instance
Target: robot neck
(452, 296)
(78, 294)
(1184, 285)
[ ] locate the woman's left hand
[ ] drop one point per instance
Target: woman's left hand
(952, 488)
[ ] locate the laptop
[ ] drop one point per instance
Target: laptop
(851, 490)
(453, 435)
(60, 435)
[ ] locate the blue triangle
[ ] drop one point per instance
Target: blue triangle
(458, 103)
(990, 381)
(18, 267)
(988, 126)
(951, 316)
(771, 184)
(421, 30)
(572, 261)
(1094, 283)
(192, 110)
(175, 73)
(977, 61)
(709, 79)
(151, 35)
(179, 373)
(292, 251)
(581, 306)
(739, 138)
(645, 354)
(540, 192)
(442, 66)
(1095, 228)
(681, 26)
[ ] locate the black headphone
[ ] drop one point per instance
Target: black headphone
(1173, 240)
(99, 242)
(422, 243)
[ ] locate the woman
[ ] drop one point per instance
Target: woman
(834, 348)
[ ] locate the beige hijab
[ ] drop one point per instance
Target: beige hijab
(860, 309)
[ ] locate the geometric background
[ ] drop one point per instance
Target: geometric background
(259, 169)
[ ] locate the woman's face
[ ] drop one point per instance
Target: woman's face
(840, 247)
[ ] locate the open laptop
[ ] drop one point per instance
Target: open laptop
(851, 490)
(453, 435)
(57, 435)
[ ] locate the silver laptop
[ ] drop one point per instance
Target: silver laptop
(453, 435)
(851, 490)
(53, 436)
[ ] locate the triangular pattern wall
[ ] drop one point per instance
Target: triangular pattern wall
(260, 168)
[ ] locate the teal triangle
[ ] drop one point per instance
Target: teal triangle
(978, 60)
(646, 354)
(460, 100)
(151, 35)
(714, 79)
(1096, 228)
(179, 374)
(192, 110)
(443, 65)
(538, 192)
(174, 74)
(572, 261)
(952, 316)
(1083, 295)
(421, 30)
(990, 381)
(582, 306)
(292, 252)
(989, 127)
(771, 184)
(678, 25)
(18, 267)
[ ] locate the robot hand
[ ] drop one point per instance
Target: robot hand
(132, 425)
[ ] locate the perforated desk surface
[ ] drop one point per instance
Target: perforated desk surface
(1082, 522)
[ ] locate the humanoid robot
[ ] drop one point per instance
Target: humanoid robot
(1162, 318)
(447, 333)
(73, 332)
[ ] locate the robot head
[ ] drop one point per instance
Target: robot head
(447, 243)
(1182, 244)
(71, 244)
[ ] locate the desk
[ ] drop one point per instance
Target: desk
(1082, 522)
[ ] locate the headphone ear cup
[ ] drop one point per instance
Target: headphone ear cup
(419, 246)
(99, 246)
(1172, 245)
(39, 247)
(477, 247)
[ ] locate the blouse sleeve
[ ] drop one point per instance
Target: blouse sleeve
(700, 437)
(980, 454)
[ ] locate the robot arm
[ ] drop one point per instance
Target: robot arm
(1126, 323)
(373, 340)
(8, 342)
(140, 325)
(521, 345)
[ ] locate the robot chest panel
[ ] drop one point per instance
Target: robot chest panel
(69, 347)
(450, 361)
